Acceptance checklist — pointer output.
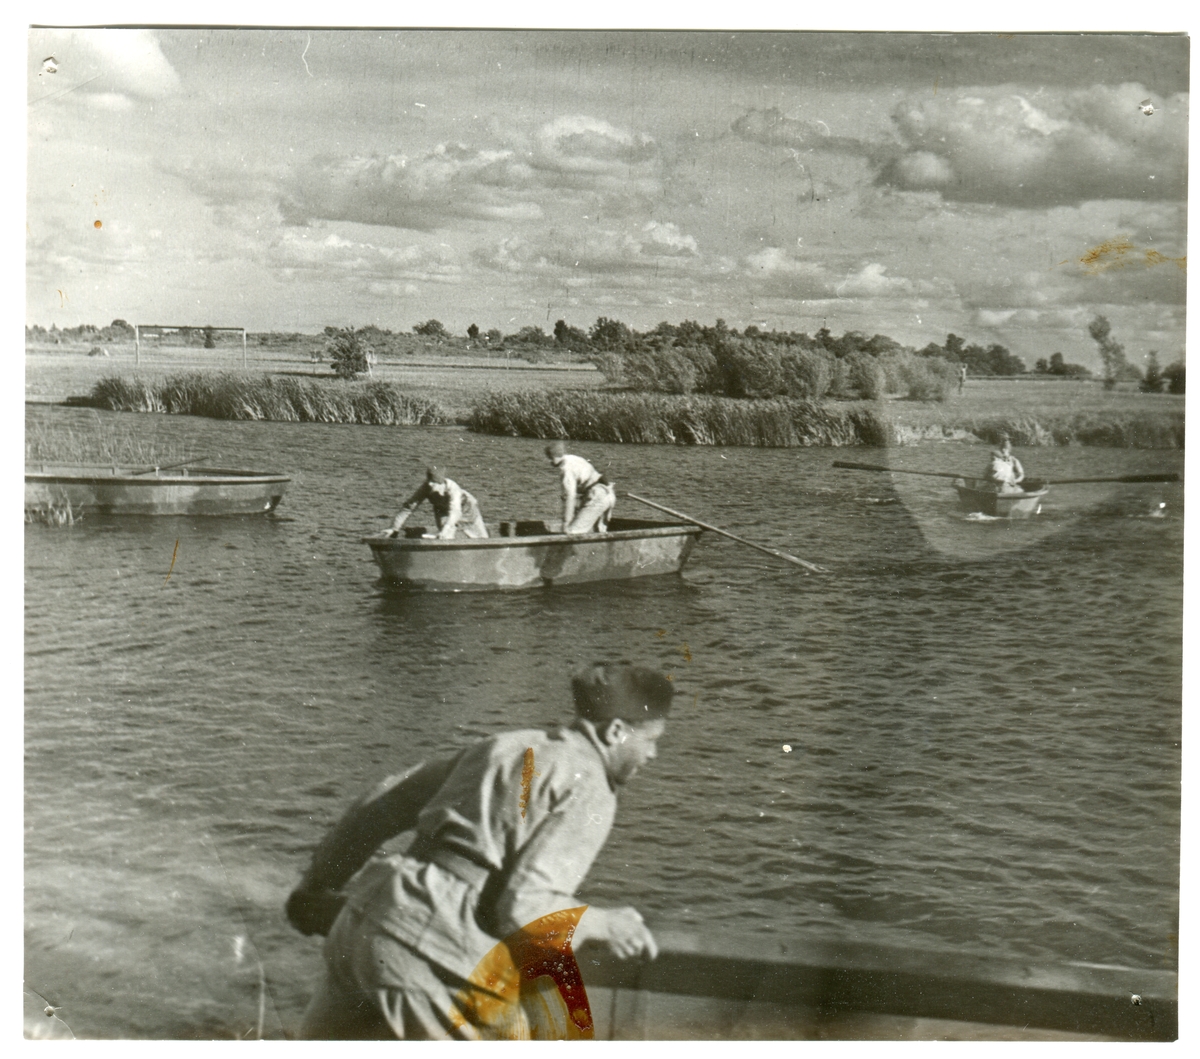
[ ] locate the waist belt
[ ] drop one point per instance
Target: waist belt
(462, 867)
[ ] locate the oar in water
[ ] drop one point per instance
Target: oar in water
(732, 536)
(169, 467)
(1134, 478)
(1123, 478)
(898, 470)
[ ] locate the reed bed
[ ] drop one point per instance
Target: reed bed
(665, 419)
(692, 419)
(100, 442)
(231, 395)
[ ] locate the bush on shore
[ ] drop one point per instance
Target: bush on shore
(229, 395)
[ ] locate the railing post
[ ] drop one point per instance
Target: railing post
(243, 349)
(137, 344)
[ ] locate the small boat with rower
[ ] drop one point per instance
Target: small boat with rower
(984, 497)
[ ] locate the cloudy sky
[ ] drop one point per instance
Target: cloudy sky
(1006, 188)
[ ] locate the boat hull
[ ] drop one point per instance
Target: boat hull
(977, 496)
(630, 549)
(198, 492)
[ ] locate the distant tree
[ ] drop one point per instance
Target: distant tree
(1153, 380)
(208, 339)
(610, 334)
(529, 336)
(120, 325)
(494, 336)
(1174, 374)
(431, 329)
(566, 335)
(1041, 367)
(330, 330)
(954, 346)
(1112, 353)
(473, 332)
(348, 353)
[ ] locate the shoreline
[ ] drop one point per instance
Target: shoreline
(573, 402)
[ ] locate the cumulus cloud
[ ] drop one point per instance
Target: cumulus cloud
(305, 250)
(783, 274)
(106, 68)
(453, 181)
(1057, 146)
(773, 128)
(425, 192)
(656, 248)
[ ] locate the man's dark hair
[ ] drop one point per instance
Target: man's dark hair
(633, 693)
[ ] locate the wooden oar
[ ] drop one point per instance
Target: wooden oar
(1125, 478)
(1044, 481)
(170, 467)
(898, 470)
(732, 536)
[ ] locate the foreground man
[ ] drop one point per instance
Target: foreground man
(452, 507)
(588, 498)
(506, 831)
(1004, 470)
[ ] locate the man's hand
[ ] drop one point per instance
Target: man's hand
(622, 929)
(313, 911)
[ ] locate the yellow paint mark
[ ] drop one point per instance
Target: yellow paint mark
(173, 554)
(661, 633)
(98, 224)
(526, 781)
(936, 82)
(62, 298)
(528, 987)
(686, 652)
(1121, 253)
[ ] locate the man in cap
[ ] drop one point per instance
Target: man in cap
(506, 830)
(588, 496)
(452, 507)
(1004, 471)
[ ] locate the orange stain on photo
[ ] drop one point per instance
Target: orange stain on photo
(1120, 253)
(529, 987)
(527, 775)
(98, 224)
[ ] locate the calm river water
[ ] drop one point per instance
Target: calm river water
(984, 716)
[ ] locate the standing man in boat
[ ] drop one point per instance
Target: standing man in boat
(1004, 471)
(588, 497)
(452, 507)
(506, 830)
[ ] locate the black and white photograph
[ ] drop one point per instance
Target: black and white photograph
(629, 533)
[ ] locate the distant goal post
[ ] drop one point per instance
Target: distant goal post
(160, 330)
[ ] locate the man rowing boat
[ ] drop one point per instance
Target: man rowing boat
(1004, 471)
(423, 944)
(452, 507)
(588, 497)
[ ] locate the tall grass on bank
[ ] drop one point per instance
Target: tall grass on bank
(649, 419)
(229, 395)
(692, 419)
(1161, 429)
(102, 442)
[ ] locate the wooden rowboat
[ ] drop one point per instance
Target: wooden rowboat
(77, 489)
(975, 494)
(531, 554)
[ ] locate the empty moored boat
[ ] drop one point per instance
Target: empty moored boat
(528, 554)
(975, 494)
(107, 490)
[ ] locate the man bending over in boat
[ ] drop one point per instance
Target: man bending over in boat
(452, 507)
(449, 939)
(1004, 471)
(588, 497)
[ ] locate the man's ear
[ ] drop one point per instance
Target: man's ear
(615, 732)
